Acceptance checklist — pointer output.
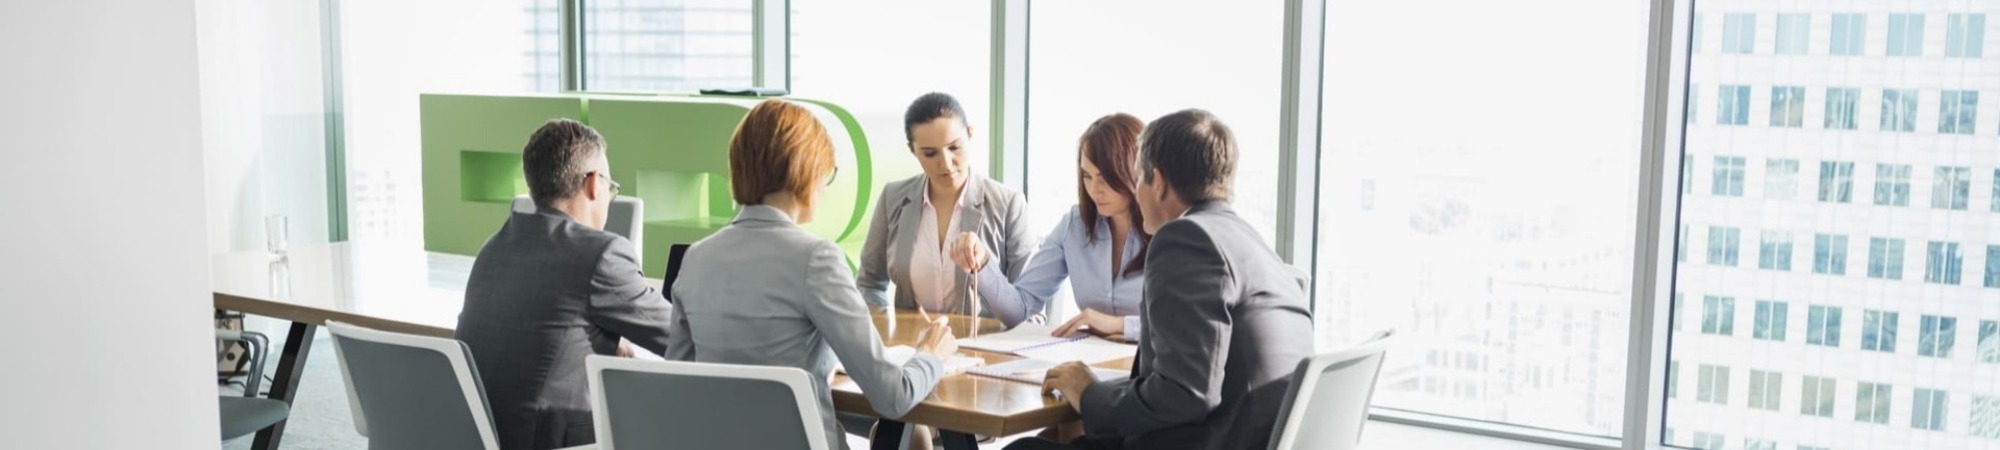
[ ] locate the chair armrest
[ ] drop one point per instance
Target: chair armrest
(259, 346)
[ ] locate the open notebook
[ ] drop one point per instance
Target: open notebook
(901, 354)
(1034, 340)
(1032, 371)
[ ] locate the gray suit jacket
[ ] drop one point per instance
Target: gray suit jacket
(993, 211)
(1226, 323)
(545, 292)
(764, 291)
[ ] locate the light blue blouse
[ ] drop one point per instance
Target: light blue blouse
(1068, 253)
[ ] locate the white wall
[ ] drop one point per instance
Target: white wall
(104, 309)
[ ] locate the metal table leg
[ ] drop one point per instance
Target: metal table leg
(285, 383)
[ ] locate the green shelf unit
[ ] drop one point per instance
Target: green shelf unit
(671, 151)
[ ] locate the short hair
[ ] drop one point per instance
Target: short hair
(1194, 150)
(929, 107)
(557, 159)
(779, 147)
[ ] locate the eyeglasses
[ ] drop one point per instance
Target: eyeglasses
(615, 188)
(833, 176)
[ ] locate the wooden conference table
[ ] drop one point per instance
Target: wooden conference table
(406, 290)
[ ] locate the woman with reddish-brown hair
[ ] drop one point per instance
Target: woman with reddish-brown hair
(768, 292)
(1099, 246)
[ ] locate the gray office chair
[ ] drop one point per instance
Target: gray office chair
(1328, 401)
(413, 392)
(249, 413)
(671, 404)
(627, 218)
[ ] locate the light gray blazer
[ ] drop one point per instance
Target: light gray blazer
(765, 291)
(1226, 324)
(992, 210)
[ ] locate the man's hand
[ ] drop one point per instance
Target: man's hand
(624, 349)
(1069, 380)
(1092, 322)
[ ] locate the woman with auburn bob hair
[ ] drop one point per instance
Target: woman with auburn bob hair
(1099, 246)
(768, 292)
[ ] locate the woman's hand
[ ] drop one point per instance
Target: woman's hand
(938, 340)
(969, 252)
(1092, 322)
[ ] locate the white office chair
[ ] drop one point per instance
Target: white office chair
(418, 392)
(672, 404)
(627, 217)
(1328, 401)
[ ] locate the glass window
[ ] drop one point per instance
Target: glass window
(1929, 410)
(1906, 35)
(1996, 191)
(1733, 105)
(1708, 441)
(1892, 184)
(1958, 112)
(1937, 335)
(1770, 321)
(1951, 188)
(1823, 325)
(1878, 331)
(1774, 250)
(1829, 254)
(1836, 181)
(1739, 33)
(1673, 378)
(1718, 315)
(1788, 106)
(1885, 258)
(1872, 402)
(1693, 102)
(1794, 33)
(667, 45)
(1077, 54)
(1471, 177)
(1681, 246)
(394, 52)
(1849, 31)
(1942, 263)
(1728, 179)
(1993, 266)
(1899, 110)
(1781, 179)
(1985, 416)
(1840, 107)
(1989, 341)
(1759, 444)
(1722, 242)
(1713, 385)
(1965, 35)
(1816, 396)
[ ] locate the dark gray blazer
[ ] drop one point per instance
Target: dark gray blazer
(993, 211)
(1226, 323)
(545, 292)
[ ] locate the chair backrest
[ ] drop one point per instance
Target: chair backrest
(413, 392)
(1328, 400)
(671, 404)
(626, 218)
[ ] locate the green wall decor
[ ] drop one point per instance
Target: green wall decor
(669, 150)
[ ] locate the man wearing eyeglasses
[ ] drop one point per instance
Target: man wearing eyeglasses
(552, 287)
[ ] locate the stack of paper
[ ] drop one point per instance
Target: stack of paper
(1035, 341)
(1032, 371)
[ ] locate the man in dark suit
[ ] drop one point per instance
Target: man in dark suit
(1226, 321)
(552, 287)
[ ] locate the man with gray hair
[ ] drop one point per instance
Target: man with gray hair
(552, 287)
